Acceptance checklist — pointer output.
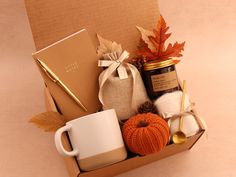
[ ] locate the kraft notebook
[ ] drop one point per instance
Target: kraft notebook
(69, 69)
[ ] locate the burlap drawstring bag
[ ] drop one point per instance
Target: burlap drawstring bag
(122, 90)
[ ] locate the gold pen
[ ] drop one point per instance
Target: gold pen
(57, 80)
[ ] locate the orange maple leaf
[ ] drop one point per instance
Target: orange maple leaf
(158, 41)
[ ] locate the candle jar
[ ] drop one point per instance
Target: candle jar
(160, 77)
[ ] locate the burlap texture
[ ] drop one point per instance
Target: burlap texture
(122, 94)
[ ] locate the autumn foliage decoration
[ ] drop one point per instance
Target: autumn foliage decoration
(152, 43)
(49, 121)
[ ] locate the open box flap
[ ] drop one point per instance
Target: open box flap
(115, 20)
(52, 20)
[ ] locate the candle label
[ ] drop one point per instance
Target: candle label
(164, 81)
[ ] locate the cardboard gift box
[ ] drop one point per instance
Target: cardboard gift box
(130, 162)
(52, 20)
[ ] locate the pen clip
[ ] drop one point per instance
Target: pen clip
(46, 72)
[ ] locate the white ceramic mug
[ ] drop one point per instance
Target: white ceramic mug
(96, 140)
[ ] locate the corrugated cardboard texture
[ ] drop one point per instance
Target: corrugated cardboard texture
(51, 20)
(140, 161)
(128, 164)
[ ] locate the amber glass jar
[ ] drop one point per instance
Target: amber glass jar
(160, 77)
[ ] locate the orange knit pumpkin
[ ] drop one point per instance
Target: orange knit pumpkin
(146, 133)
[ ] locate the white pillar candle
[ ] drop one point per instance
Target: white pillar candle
(169, 104)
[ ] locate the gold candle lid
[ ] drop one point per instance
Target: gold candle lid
(158, 64)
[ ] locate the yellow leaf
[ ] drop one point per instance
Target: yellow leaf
(49, 121)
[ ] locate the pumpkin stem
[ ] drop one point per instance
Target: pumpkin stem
(143, 123)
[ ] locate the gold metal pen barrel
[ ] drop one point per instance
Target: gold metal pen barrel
(72, 95)
(57, 80)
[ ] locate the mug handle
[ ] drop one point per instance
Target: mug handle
(58, 142)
